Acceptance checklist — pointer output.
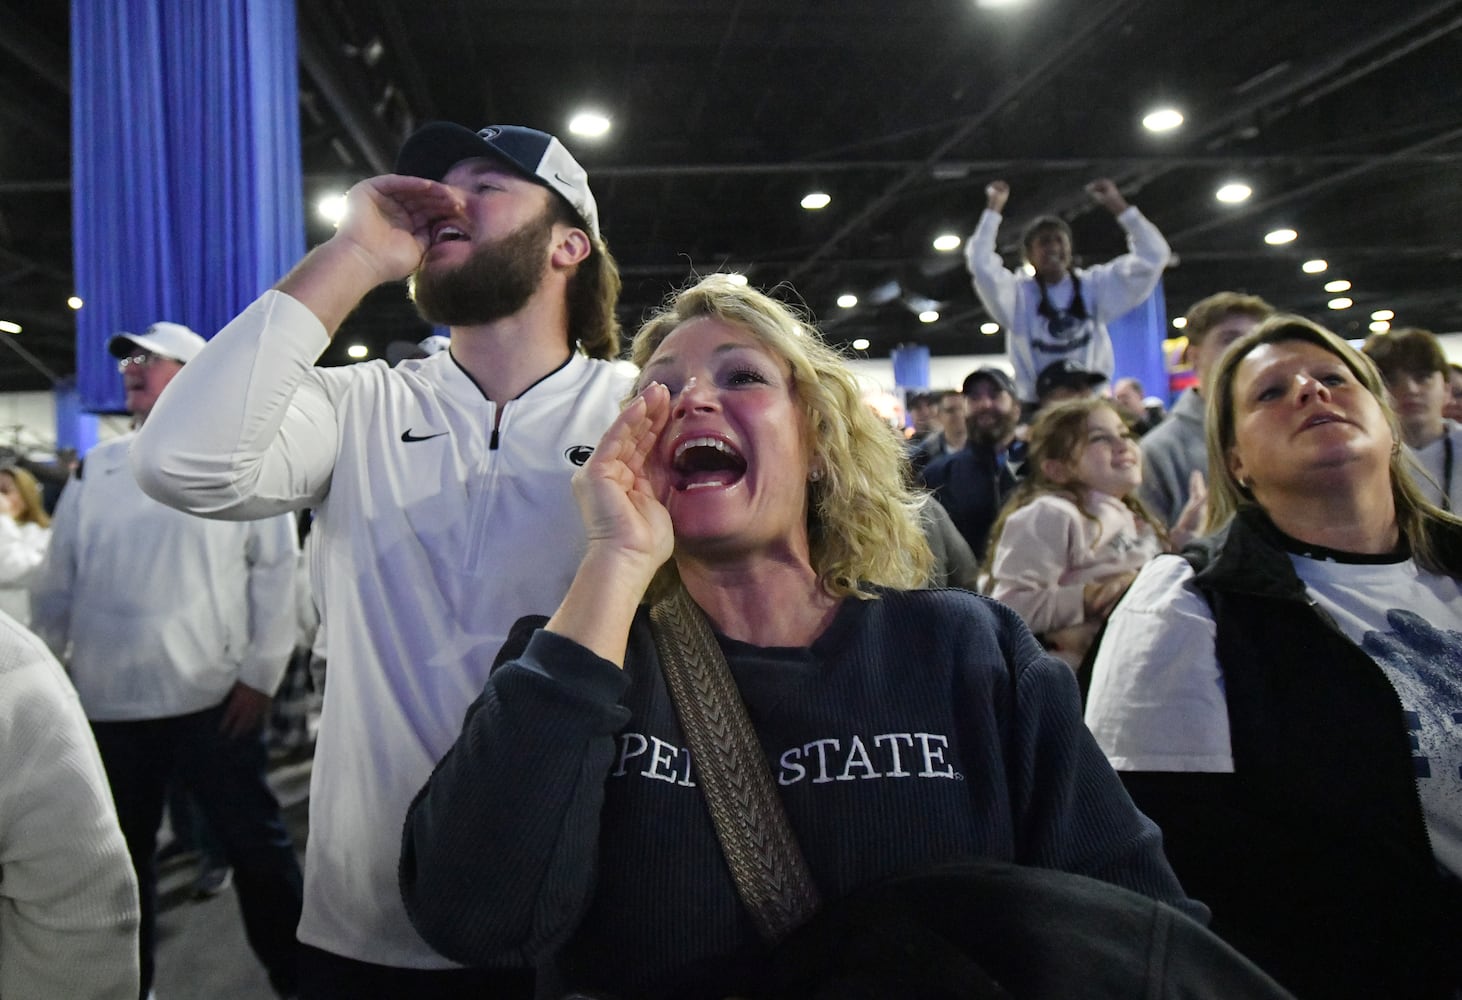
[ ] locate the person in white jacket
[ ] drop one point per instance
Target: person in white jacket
(25, 530)
(440, 487)
(68, 897)
(175, 631)
(1061, 312)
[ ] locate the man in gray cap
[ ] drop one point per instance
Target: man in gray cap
(973, 482)
(441, 489)
(175, 632)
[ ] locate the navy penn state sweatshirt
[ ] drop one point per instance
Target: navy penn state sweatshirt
(566, 826)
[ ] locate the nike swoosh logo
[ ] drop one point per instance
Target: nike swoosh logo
(409, 437)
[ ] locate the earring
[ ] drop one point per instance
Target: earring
(814, 476)
(1246, 484)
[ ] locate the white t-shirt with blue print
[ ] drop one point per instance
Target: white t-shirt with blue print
(1157, 703)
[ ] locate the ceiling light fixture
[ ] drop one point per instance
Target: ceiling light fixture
(331, 208)
(358, 350)
(1233, 192)
(1180, 322)
(847, 300)
(1339, 285)
(989, 329)
(1277, 236)
(1340, 303)
(736, 278)
(945, 242)
(1380, 326)
(75, 302)
(589, 124)
(929, 316)
(814, 200)
(1383, 314)
(8, 327)
(1316, 266)
(1162, 119)
(861, 344)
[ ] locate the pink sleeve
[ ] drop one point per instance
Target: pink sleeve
(1036, 549)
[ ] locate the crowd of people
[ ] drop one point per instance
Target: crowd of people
(691, 678)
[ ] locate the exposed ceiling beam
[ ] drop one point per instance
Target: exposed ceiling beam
(28, 45)
(1057, 54)
(352, 108)
(1325, 183)
(1292, 87)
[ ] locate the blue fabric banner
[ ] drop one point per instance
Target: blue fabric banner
(911, 366)
(187, 200)
(1137, 339)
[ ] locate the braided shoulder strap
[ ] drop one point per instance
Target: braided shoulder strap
(771, 875)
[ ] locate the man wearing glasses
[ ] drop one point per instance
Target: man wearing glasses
(175, 631)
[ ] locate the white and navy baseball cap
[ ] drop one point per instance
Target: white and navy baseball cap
(435, 148)
(166, 340)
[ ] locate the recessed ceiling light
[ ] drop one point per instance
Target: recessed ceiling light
(1316, 266)
(1180, 322)
(988, 4)
(946, 242)
(1277, 236)
(929, 316)
(1233, 192)
(989, 328)
(8, 327)
(589, 124)
(1339, 285)
(1383, 314)
(1340, 303)
(814, 200)
(75, 302)
(357, 350)
(1162, 119)
(1380, 326)
(331, 208)
(736, 278)
(847, 300)
(861, 344)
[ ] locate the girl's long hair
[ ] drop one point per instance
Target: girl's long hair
(1059, 434)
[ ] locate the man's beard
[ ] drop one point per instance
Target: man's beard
(495, 281)
(991, 430)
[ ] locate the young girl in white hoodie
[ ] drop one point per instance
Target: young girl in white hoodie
(1073, 534)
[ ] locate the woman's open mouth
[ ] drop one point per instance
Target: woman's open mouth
(706, 462)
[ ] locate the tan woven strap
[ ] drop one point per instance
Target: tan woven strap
(771, 875)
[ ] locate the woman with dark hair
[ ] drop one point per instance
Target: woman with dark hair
(748, 489)
(1286, 704)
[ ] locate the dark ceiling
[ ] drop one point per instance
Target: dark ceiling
(1345, 117)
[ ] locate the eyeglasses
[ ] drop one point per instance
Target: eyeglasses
(139, 360)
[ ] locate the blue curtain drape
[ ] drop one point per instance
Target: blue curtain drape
(1137, 340)
(187, 199)
(911, 366)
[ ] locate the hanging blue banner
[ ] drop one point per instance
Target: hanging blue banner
(187, 200)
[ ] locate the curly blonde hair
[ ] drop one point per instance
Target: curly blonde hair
(862, 515)
(1226, 495)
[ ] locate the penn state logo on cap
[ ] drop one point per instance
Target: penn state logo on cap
(435, 148)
